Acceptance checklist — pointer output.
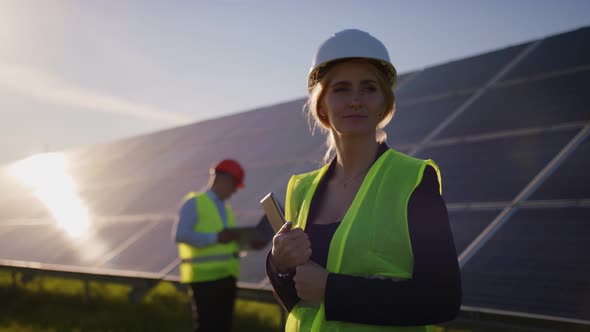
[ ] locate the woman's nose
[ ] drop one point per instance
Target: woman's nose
(355, 101)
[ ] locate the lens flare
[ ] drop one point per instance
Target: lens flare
(48, 177)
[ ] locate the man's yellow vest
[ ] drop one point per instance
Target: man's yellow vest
(373, 237)
(212, 262)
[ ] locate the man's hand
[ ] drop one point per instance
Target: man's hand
(310, 282)
(227, 235)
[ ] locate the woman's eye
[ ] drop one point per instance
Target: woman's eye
(340, 89)
(370, 89)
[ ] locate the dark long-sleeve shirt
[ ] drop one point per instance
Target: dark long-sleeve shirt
(432, 295)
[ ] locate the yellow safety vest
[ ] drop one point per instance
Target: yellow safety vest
(373, 237)
(212, 262)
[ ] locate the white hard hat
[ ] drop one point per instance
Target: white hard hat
(350, 43)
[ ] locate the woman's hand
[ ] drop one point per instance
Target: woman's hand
(290, 248)
(310, 282)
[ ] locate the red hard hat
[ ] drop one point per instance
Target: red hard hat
(233, 168)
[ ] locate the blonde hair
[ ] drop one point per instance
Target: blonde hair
(317, 92)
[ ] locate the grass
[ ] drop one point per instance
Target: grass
(49, 304)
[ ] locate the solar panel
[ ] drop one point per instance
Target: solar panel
(560, 52)
(173, 160)
(414, 121)
(163, 253)
(16, 200)
(494, 170)
(116, 198)
(86, 163)
(465, 74)
(536, 263)
(571, 179)
(466, 225)
(253, 267)
(35, 243)
(264, 179)
(544, 102)
(22, 207)
(402, 77)
(92, 248)
(190, 146)
(157, 242)
(162, 195)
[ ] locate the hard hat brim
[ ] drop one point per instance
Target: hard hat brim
(314, 74)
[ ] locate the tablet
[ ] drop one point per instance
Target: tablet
(273, 211)
(249, 234)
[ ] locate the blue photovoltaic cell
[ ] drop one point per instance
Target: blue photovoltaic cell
(564, 51)
(87, 165)
(467, 225)
(571, 179)
(151, 253)
(264, 180)
(413, 122)
(494, 170)
(163, 196)
(465, 74)
(91, 248)
(245, 137)
(546, 102)
(31, 243)
(536, 263)
(108, 200)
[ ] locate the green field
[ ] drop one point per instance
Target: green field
(51, 304)
(56, 304)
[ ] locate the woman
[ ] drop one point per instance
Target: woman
(369, 245)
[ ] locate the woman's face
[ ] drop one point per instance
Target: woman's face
(353, 102)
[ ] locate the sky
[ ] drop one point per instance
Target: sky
(75, 73)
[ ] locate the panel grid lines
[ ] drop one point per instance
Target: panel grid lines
(504, 216)
(126, 244)
(478, 94)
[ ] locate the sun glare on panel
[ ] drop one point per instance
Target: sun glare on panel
(47, 175)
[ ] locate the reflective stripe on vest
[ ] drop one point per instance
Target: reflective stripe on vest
(211, 258)
(211, 262)
(376, 222)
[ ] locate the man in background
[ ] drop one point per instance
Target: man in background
(208, 248)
